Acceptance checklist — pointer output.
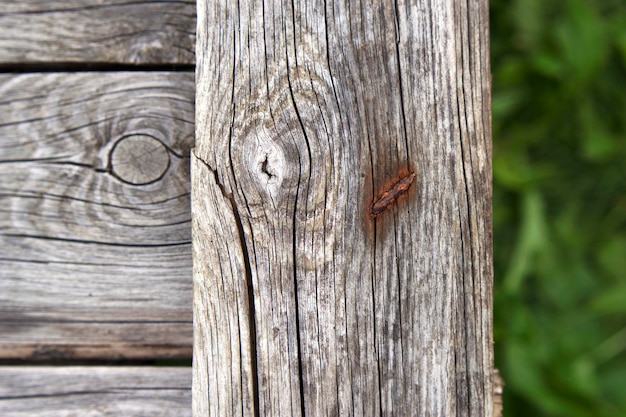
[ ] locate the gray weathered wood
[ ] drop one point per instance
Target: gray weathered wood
(305, 303)
(88, 31)
(28, 391)
(95, 254)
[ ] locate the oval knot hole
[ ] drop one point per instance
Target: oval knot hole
(139, 159)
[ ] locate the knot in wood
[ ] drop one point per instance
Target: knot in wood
(139, 159)
(268, 164)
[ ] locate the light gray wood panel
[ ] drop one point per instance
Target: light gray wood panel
(95, 254)
(93, 31)
(28, 391)
(310, 299)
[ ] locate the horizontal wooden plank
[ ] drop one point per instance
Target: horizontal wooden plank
(95, 256)
(95, 391)
(87, 31)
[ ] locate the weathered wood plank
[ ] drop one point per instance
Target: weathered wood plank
(308, 300)
(95, 254)
(87, 31)
(28, 391)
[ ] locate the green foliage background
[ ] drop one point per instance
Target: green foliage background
(559, 132)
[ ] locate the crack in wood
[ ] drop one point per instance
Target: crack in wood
(248, 278)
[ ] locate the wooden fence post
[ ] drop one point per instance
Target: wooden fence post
(341, 209)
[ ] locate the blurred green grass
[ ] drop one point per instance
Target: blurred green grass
(559, 133)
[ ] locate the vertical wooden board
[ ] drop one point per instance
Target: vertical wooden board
(88, 32)
(306, 115)
(220, 302)
(31, 391)
(95, 220)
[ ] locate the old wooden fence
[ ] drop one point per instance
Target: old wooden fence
(96, 123)
(341, 208)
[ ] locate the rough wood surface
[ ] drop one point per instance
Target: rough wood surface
(27, 391)
(88, 31)
(95, 254)
(306, 303)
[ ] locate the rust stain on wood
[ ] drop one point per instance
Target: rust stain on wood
(391, 192)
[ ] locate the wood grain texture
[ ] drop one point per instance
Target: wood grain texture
(95, 253)
(305, 303)
(29, 391)
(88, 31)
